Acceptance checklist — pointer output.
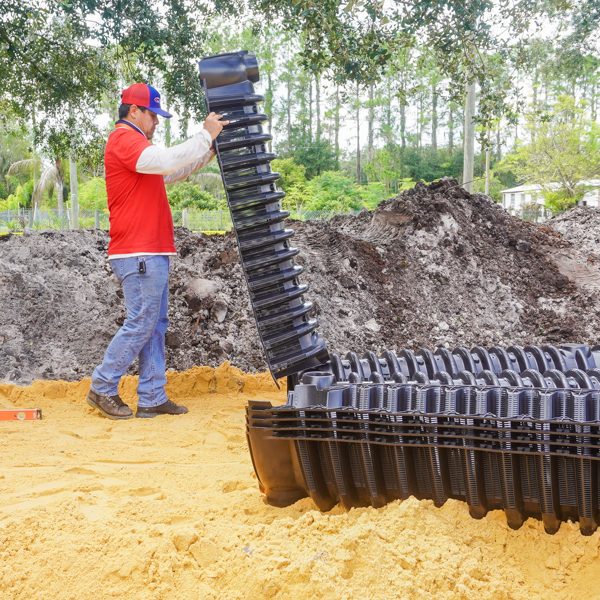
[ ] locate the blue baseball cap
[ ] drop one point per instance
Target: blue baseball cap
(145, 96)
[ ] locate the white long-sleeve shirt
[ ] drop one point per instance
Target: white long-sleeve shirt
(177, 162)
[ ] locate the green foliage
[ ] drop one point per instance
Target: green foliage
(10, 203)
(333, 191)
(63, 58)
(316, 155)
(21, 198)
(14, 224)
(496, 186)
(24, 194)
(293, 183)
(14, 147)
(559, 201)
(92, 194)
(563, 154)
(373, 193)
(192, 196)
(292, 174)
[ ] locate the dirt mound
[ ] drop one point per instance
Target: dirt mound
(581, 227)
(434, 266)
(61, 305)
(438, 266)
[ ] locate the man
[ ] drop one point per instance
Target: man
(141, 244)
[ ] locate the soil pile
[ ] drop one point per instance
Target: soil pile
(438, 266)
(434, 266)
(169, 508)
(581, 227)
(61, 305)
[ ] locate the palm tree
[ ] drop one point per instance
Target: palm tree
(51, 177)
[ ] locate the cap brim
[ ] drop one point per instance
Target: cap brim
(160, 112)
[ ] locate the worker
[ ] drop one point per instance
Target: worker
(142, 246)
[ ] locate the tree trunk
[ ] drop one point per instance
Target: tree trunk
(310, 109)
(389, 114)
(593, 101)
(487, 163)
(58, 185)
(184, 124)
(318, 106)
(450, 128)
(167, 126)
(34, 147)
(74, 190)
(357, 135)
(403, 124)
(289, 113)
(434, 117)
(469, 139)
(498, 143)
(371, 119)
(269, 104)
(419, 121)
(337, 121)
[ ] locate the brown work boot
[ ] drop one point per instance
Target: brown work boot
(110, 406)
(166, 408)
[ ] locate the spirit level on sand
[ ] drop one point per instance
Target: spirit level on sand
(24, 414)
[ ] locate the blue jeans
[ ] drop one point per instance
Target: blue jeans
(143, 332)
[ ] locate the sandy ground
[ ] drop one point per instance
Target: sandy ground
(169, 508)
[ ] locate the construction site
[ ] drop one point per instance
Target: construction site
(92, 508)
(402, 403)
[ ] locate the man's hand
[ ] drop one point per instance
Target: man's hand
(214, 125)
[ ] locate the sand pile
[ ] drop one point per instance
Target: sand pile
(92, 509)
(434, 266)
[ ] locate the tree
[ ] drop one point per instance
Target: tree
(292, 174)
(333, 191)
(92, 194)
(563, 155)
(191, 195)
(58, 59)
(15, 145)
(293, 183)
(51, 178)
(316, 156)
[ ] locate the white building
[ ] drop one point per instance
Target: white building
(514, 199)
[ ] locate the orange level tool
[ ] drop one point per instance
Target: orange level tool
(25, 414)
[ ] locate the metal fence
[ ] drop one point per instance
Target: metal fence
(197, 220)
(537, 215)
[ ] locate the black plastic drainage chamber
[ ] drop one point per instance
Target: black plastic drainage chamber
(287, 332)
(516, 429)
(527, 442)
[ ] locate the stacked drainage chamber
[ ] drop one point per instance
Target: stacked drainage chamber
(287, 333)
(515, 429)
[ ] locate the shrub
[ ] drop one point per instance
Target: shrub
(559, 201)
(191, 196)
(333, 191)
(92, 194)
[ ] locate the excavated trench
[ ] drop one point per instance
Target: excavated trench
(434, 266)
